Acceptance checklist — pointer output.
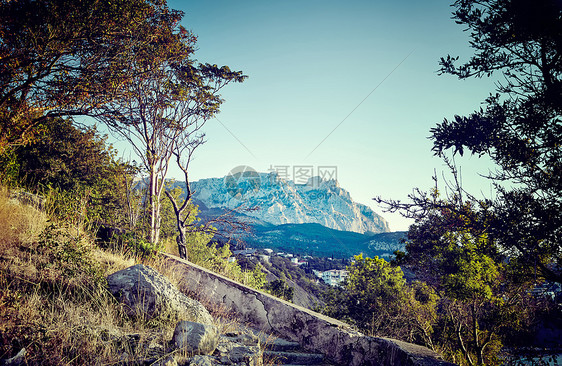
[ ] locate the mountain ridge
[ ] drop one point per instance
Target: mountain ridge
(279, 201)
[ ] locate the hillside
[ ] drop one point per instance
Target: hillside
(317, 240)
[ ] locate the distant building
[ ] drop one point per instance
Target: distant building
(268, 251)
(334, 277)
(297, 262)
(245, 252)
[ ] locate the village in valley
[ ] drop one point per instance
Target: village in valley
(333, 276)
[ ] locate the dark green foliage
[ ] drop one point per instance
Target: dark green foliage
(80, 169)
(520, 127)
(280, 289)
(134, 245)
(70, 255)
(324, 264)
(481, 307)
(482, 256)
(285, 270)
(320, 241)
(376, 298)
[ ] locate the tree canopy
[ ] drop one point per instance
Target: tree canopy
(483, 255)
(64, 58)
(519, 128)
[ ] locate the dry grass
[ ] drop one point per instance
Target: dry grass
(54, 300)
(18, 223)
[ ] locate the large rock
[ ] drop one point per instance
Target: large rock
(146, 291)
(17, 360)
(196, 338)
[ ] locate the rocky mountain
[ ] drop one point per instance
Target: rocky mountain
(270, 199)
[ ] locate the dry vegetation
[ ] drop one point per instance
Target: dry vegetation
(54, 301)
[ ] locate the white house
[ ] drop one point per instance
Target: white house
(334, 277)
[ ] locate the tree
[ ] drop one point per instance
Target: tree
(520, 128)
(165, 104)
(483, 301)
(280, 289)
(66, 58)
(376, 298)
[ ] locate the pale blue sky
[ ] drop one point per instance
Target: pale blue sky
(310, 63)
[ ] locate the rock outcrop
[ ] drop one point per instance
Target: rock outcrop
(314, 332)
(146, 292)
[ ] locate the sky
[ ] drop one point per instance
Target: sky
(345, 84)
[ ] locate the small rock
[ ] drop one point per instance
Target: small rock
(17, 360)
(196, 337)
(231, 352)
(201, 361)
(248, 339)
(247, 355)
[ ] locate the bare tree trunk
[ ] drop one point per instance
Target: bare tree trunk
(154, 200)
(180, 222)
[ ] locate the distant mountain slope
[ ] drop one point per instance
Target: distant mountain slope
(281, 202)
(318, 240)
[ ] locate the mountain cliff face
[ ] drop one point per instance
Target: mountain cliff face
(283, 202)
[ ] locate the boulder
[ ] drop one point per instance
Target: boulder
(147, 292)
(196, 338)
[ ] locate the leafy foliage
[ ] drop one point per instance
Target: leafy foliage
(61, 58)
(520, 128)
(168, 100)
(280, 289)
(482, 256)
(77, 166)
(376, 298)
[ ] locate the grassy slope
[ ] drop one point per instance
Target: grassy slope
(53, 296)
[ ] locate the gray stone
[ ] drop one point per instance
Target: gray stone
(202, 361)
(245, 338)
(231, 352)
(196, 337)
(147, 292)
(246, 355)
(18, 359)
(295, 358)
(314, 332)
